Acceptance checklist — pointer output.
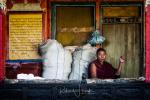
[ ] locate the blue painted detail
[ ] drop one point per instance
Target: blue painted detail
(23, 61)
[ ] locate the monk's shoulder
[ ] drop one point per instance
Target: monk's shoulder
(108, 64)
(94, 62)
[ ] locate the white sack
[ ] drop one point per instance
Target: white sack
(28, 76)
(56, 61)
(81, 59)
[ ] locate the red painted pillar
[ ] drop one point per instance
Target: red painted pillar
(1, 45)
(148, 43)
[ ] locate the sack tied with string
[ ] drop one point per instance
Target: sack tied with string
(81, 59)
(56, 60)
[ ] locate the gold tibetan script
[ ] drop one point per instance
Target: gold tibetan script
(25, 33)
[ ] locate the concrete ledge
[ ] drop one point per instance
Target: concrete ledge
(74, 90)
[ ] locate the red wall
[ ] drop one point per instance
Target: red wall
(148, 43)
(1, 48)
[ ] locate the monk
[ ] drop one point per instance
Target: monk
(101, 69)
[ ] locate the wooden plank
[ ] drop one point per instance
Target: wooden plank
(123, 39)
(130, 54)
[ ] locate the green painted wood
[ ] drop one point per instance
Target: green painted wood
(123, 39)
(53, 22)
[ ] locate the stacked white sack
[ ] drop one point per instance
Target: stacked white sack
(81, 59)
(56, 61)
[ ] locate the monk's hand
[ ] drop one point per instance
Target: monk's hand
(121, 60)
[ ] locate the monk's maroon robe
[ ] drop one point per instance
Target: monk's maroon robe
(104, 71)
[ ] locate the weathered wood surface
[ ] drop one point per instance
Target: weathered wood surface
(74, 24)
(123, 40)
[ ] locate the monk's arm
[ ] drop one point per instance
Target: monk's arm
(93, 71)
(121, 61)
(119, 69)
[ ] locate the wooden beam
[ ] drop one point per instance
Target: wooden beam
(98, 15)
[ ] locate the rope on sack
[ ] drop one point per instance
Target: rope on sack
(78, 95)
(63, 63)
(57, 61)
(80, 62)
(73, 68)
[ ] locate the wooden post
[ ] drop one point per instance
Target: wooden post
(98, 15)
(148, 43)
(46, 27)
(2, 37)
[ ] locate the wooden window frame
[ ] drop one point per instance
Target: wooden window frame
(67, 4)
(142, 24)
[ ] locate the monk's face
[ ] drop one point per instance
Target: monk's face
(101, 56)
